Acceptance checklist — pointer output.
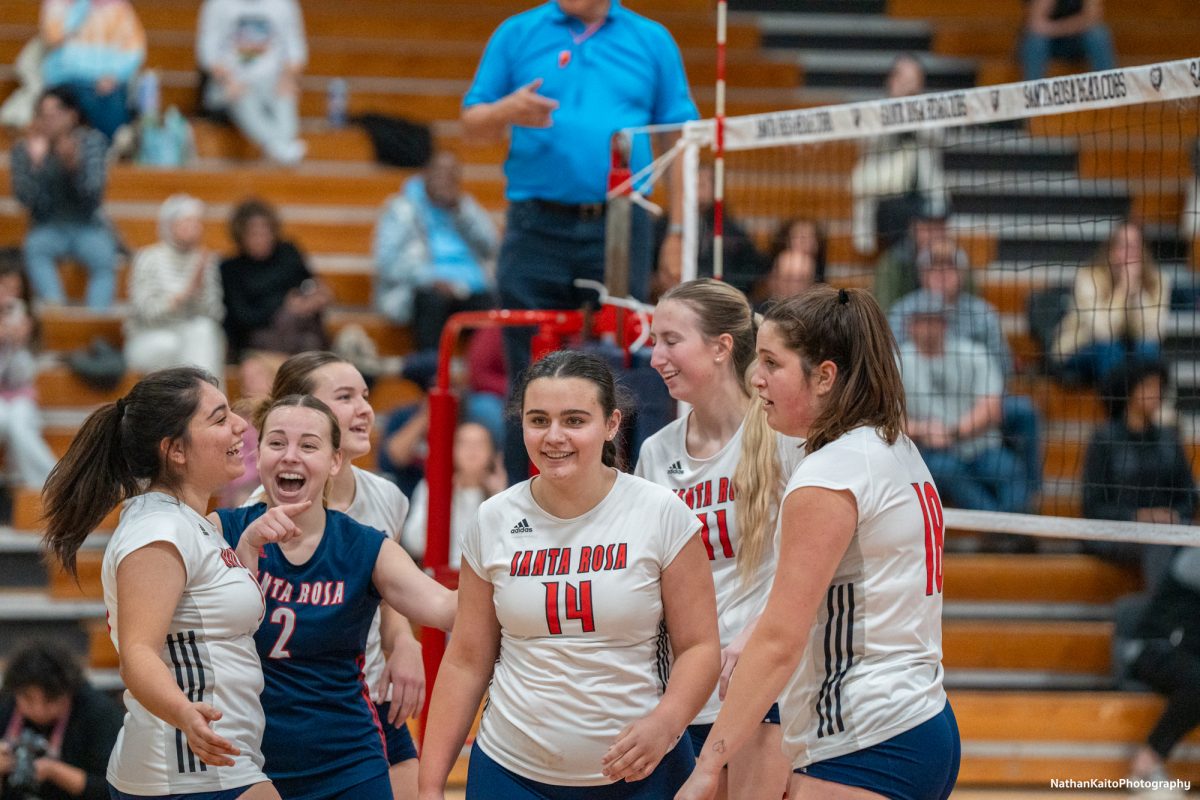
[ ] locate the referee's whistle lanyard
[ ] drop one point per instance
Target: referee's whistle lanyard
(16, 724)
(564, 57)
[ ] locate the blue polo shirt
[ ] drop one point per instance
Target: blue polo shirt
(626, 73)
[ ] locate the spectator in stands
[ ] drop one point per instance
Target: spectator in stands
(792, 272)
(898, 176)
(434, 249)
(1189, 225)
(1136, 468)
(1167, 648)
(58, 174)
(1120, 309)
(954, 389)
(1066, 29)
(405, 445)
(944, 270)
(175, 296)
(94, 47)
(254, 52)
(742, 264)
(801, 235)
(26, 451)
(797, 259)
(45, 694)
(614, 69)
(478, 474)
(896, 272)
(272, 300)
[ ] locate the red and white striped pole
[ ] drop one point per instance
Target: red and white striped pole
(719, 149)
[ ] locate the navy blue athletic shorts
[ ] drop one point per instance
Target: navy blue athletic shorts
(919, 764)
(487, 780)
(399, 741)
(699, 732)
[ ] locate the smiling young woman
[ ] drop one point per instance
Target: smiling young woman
(181, 609)
(323, 575)
(730, 468)
(575, 585)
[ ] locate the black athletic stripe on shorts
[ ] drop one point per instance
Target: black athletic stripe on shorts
(189, 677)
(839, 657)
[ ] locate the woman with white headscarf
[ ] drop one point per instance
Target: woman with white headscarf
(175, 296)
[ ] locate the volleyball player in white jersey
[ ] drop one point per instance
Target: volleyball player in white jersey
(730, 468)
(182, 609)
(377, 503)
(852, 632)
(576, 588)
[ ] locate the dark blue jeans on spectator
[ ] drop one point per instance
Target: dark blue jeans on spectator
(104, 112)
(1093, 45)
(1095, 362)
(545, 249)
(993, 480)
(1021, 429)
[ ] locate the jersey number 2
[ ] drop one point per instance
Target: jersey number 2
(577, 605)
(935, 535)
(286, 617)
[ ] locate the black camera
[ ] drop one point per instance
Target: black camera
(23, 780)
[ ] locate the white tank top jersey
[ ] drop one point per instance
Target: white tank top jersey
(583, 642)
(209, 651)
(872, 668)
(378, 503)
(706, 486)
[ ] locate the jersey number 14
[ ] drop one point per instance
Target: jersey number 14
(935, 535)
(576, 604)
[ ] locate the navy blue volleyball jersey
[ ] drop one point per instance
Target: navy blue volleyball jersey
(322, 729)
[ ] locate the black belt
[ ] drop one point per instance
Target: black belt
(583, 211)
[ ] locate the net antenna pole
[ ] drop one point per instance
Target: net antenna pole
(719, 148)
(690, 244)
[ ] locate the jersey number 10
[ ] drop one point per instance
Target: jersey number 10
(577, 604)
(935, 535)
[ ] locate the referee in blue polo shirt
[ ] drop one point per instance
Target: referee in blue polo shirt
(562, 78)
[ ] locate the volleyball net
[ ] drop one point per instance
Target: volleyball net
(1013, 194)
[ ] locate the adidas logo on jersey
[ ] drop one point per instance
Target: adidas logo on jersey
(521, 527)
(675, 469)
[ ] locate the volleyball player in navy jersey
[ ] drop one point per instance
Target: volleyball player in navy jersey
(394, 669)
(323, 576)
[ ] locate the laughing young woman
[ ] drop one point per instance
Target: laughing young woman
(394, 669)
(323, 576)
(181, 610)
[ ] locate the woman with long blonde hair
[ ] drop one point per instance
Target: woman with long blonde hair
(724, 461)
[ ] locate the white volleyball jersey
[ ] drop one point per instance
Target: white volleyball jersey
(706, 486)
(209, 651)
(872, 667)
(583, 642)
(378, 503)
